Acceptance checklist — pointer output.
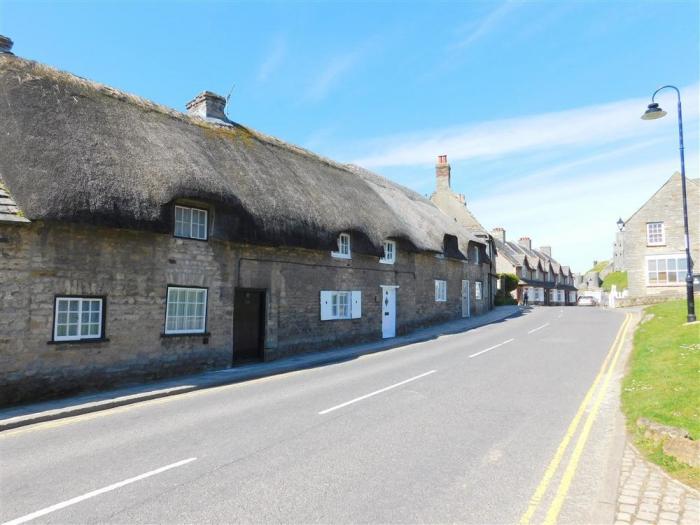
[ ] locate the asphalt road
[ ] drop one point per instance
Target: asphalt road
(457, 429)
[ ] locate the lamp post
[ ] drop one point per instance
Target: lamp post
(654, 112)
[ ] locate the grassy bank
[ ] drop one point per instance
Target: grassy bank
(663, 381)
(618, 279)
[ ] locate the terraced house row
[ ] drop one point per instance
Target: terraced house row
(139, 242)
(540, 276)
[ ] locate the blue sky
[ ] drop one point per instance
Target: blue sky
(536, 104)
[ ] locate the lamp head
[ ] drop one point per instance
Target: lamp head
(620, 224)
(653, 112)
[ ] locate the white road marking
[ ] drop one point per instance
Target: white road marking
(374, 393)
(108, 488)
(492, 347)
(538, 328)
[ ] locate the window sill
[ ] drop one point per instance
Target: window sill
(190, 238)
(383, 261)
(337, 255)
(659, 245)
(188, 334)
(78, 341)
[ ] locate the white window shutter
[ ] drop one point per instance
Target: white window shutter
(356, 305)
(326, 307)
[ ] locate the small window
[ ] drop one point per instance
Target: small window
(343, 247)
(475, 254)
(186, 310)
(389, 253)
(478, 289)
(341, 305)
(655, 234)
(77, 318)
(440, 291)
(190, 223)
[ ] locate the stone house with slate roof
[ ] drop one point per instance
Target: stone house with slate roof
(652, 243)
(543, 278)
(139, 242)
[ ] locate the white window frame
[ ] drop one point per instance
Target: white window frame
(389, 253)
(478, 290)
(662, 234)
(680, 273)
(340, 304)
(191, 228)
(80, 312)
(169, 304)
(440, 291)
(344, 249)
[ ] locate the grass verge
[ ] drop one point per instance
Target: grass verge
(663, 381)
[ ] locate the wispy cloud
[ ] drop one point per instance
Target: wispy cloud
(274, 58)
(332, 73)
(591, 125)
(486, 25)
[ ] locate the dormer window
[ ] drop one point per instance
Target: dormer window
(475, 254)
(389, 253)
(191, 223)
(343, 247)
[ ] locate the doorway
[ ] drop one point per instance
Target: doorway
(248, 325)
(388, 311)
(466, 300)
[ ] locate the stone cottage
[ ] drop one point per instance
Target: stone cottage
(139, 242)
(652, 242)
(545, 280)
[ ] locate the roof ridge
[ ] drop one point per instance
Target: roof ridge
(145, 103)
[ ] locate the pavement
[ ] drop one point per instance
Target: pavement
(509, 420)
(647, 495)
(33, 413)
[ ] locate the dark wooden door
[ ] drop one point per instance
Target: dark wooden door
(248, 325)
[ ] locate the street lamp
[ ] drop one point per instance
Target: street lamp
(654, 112)
(620, 224)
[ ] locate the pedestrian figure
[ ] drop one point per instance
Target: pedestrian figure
(525, 299)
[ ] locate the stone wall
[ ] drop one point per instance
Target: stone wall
(132, 270)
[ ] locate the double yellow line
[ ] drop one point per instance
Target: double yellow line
(605, 374)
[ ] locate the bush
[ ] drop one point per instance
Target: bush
(501, 300)
(509, 282)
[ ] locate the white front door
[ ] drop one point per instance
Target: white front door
(388, 311)
(466, 300)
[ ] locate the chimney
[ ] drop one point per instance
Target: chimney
(547, 250)
(442, 173)
(5, 45)
(499, 233)
(208, 106)
(525, 242)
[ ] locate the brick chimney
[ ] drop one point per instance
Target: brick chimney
(525, 242)
(442, 173)
(547, 250)
(5, 45)
(208, 106)
(499, 233)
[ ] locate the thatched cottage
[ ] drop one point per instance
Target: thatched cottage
(139, 242)
(540, 276)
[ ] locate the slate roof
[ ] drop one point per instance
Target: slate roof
(74, 150)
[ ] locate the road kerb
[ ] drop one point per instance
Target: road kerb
(551, 470)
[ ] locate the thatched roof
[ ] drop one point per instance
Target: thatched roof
(73, 150)
(519, 255)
